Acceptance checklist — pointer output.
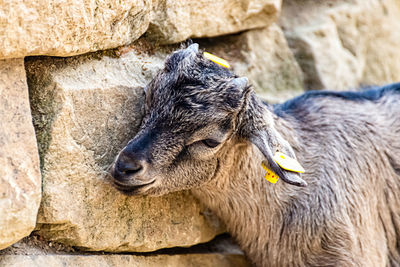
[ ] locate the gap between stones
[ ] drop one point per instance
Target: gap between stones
(35, 245)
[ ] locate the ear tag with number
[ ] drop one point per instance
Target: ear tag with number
(270, 176)
(217, 60)
(288, 163)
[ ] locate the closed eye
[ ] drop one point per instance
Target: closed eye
(210, 143)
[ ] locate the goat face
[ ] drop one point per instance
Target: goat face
(193, 109)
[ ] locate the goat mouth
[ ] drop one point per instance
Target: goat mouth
(131, 190)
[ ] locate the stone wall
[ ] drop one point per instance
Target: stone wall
(85, 107)
(344, 44)
(19, 174)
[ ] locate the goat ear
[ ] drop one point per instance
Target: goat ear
(257, 125)
(240, 83)
(236, 93)
(193, 48)
(190, 52)
(261, 141)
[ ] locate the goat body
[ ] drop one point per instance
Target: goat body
(349, 214)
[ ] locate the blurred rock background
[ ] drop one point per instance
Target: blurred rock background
(71, 95)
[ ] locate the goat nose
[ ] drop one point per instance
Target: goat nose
(126, 167)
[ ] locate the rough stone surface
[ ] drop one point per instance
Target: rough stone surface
(85, 109)
(344, 44)
(264, 57)
(175, 21)
(19, 160)
(188, 260)
(64, 28)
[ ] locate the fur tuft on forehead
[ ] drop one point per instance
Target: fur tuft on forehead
(191, 64)
(191, 82)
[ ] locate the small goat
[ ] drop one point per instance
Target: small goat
(206, 130)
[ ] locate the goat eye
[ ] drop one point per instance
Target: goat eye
(210, 143)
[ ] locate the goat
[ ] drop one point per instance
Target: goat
(206, 130)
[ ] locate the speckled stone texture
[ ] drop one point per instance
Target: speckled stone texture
(344, 44)
(65, 28)
(20, 183)
(175, 21)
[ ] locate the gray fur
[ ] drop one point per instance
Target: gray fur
(347, 215)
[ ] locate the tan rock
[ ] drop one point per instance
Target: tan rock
(64, 28)
(175, 21)
(185, 260)
(265, 58)
(85, 110)
(69, 28)
(344, 44)
(20, 182)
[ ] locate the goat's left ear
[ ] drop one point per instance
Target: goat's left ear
(265, 142)
(256, 124)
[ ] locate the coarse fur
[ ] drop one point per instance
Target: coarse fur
(206, 130)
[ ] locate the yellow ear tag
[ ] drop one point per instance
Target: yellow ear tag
(270, 176)
(217, 60)
(288, 163)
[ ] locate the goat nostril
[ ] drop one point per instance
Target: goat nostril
(133, 171)
(129, 168)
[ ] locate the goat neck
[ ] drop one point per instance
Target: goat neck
(249, 205)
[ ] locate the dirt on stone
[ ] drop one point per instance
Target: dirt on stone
(36, 245)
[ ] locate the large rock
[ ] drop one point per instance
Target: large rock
(264, 57)
(186, 260)
(85, 110)
(343, 44)
(20, 182)
(175, 21)
(64, 28)
(67, 28)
